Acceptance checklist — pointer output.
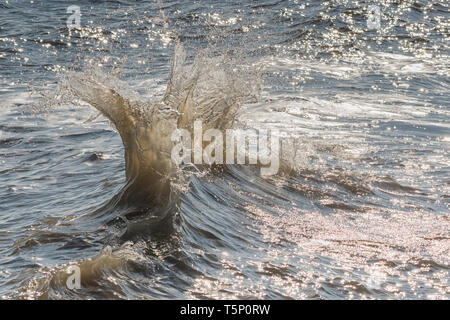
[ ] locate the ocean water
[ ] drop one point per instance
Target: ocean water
(360, 212)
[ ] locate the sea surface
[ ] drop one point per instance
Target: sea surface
(362, 213)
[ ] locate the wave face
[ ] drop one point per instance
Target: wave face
(358, 209)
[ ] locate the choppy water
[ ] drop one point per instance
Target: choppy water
(364, 212)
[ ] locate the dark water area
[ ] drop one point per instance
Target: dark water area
(362, 212)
